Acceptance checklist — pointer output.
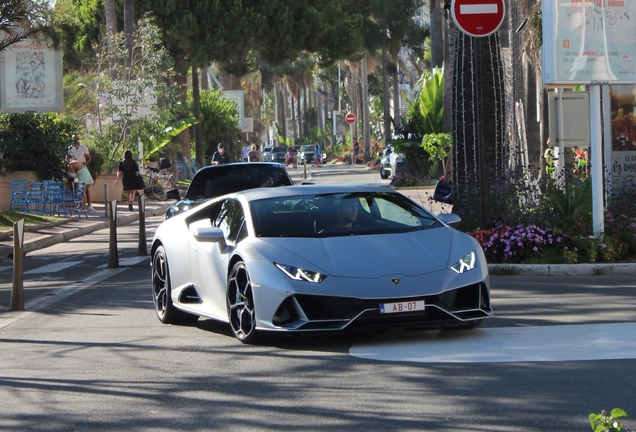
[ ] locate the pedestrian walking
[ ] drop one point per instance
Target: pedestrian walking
(245, 151)
(128, 171)
(317, 155)
(254, 155)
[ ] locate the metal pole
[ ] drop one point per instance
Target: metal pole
(142, 249)
(305, 168)
(17, 289)
(596, 135)
(113, 256)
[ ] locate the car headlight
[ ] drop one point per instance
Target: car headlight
(299, 274)
(465, 264)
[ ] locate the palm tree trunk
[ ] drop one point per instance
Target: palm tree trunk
(478, 123)
(386, 98)
(366, 128)
(111, 31)
(129, 28)
(196, 108)
(397, 116)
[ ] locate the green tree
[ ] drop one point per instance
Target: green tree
(219, 119)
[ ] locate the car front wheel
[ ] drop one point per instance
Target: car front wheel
(241, 309)
(161, 293)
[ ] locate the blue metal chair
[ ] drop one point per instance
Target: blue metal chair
(76, 199)
(35, 198)
(54, 198)
(18, 195)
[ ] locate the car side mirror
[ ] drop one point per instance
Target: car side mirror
(173, 194)
(449, 218)
(210, 235)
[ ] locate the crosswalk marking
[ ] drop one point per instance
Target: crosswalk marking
(53, 268)
(504, 344)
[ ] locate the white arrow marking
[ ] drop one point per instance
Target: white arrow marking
(504, 344)
(492, 8)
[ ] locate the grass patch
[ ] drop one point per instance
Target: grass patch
(8, 218)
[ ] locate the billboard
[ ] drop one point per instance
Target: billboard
(623, 106)
(30, 77)
(589, 41)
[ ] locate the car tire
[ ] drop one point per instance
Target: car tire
(383, 174)
(161, 292)
(241, 310)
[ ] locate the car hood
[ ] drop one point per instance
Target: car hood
(372, 256)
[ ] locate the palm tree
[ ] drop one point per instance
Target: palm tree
(23, 19)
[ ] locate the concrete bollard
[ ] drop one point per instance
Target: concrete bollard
(142, 249)
(17, 289)
(113, 256)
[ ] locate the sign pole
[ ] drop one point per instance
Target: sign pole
(596, 135)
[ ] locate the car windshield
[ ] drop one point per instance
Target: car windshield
(308, 148)
(329, 215)
(223, 179)
(279, 149)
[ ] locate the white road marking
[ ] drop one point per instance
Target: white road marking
(491, 8)
(505, 345)
(56, 295)
(53, 268)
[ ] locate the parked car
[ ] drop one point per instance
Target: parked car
(307, 153)
(267, 153)
(292, 151)
(216, 180)
(278, 154)
(279, 260)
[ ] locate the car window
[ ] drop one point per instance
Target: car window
(223, 179)
(312, 215)
(230, 219)
(267, 149)
(280, 149)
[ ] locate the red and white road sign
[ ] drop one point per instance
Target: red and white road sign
(478, 18)
(350, 118)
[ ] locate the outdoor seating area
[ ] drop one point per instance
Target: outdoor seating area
(47, 197)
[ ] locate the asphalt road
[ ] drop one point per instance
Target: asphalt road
(89, 354)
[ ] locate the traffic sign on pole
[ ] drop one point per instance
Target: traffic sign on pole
(350, 118)
(478, 18)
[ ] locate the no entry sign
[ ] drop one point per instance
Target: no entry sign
(350, 118)
(478, 18)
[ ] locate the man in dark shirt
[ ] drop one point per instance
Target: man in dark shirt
(220, 156)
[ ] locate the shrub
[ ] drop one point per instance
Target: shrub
(35, 142)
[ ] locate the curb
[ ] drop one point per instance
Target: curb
(596, 269)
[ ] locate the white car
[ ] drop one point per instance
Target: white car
(318, 258)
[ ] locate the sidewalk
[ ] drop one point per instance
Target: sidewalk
(45, 235)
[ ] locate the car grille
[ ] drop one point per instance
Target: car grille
(330, 313)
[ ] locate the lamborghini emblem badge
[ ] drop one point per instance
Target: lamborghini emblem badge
(395, 281)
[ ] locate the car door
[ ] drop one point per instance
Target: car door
(211, 260)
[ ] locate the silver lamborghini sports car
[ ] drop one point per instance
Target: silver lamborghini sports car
(318, 258)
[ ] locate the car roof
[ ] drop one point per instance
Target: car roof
(281, 192)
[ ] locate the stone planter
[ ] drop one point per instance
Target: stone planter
(115, 191)
(5, 185)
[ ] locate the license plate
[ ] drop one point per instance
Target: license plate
(411, 306)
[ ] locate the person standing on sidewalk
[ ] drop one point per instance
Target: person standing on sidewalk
(80, 154)
(128, 170)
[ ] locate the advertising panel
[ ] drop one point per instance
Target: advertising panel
(589, 41)
(30, 77)
(623, 103)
